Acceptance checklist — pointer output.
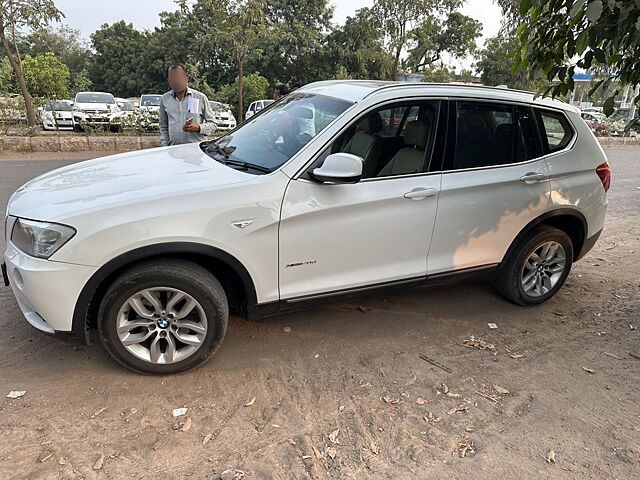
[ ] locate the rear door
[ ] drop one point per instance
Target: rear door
(495, 181)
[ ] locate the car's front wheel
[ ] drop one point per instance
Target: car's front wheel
(537, 268)
(163, 317)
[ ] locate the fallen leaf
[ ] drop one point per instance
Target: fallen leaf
(454, 395)
(479, 344)
(186, 425)
(445, 389)
(392, 400)
(46, 456)
(551, 456)
(374, 448)
(206, 438)
(457, 409)
(500, 390)
(421, 401)
(635, 355)
(588, 370)
(516, 355)
(306, 457)
(333, 436)
(98, 465)
(466, 448)
(250, 402)
(102, 410)
(317, 453)
(331, 452)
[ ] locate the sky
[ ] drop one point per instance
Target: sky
(88, 15)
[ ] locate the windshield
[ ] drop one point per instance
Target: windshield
(95, 98)
(126, 106)
(275, 135)
(215, 106)
(59, 107)
(150, 101)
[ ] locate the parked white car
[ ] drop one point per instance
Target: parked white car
(97, 109)
(256, 106)
(150, 110)
(398, 184)
(223, 116)
(57, 115)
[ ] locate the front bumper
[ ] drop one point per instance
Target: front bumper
(46, 291)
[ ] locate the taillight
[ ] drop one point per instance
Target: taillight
(604, 172)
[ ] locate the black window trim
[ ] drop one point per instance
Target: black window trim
(452, 138)
(299, 175)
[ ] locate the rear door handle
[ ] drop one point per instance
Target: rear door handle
(533, 177)
(420, 193)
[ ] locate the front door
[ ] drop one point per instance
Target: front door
(340, 237)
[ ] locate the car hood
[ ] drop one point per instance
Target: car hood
(127, 178)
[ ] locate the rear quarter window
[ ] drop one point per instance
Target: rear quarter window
(555, 129)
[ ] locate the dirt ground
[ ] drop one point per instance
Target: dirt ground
(344, 393)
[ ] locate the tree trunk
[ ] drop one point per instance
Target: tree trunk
(396, 62)
(240, 90)
(17, 68)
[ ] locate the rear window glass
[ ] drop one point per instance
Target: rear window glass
(555, 129)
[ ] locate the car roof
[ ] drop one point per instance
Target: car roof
(357, 90)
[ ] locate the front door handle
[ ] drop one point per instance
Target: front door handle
(533, 177)
(420, 193)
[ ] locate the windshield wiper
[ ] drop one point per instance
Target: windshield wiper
(223, 157)
(246, 165)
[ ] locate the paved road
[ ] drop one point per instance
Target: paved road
(332, 372)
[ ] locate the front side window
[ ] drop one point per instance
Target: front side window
(271, 138)
(555, 129)
(392, 140)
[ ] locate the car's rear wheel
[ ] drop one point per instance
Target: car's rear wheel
(163, 317)
(537, 268)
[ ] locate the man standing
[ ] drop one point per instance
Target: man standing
(185, 113)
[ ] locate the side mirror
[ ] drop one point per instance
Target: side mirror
(339, 168)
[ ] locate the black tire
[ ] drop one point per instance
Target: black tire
(172, 273)
(508, 282)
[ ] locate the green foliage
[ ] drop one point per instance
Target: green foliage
(116, 66)
(256, 87)
(356, 50)
(7, 77)
(495, 63)
(402, 20)
(437, 74)
(456, 34)
(46, 76)
(66, 44)
(560, 36)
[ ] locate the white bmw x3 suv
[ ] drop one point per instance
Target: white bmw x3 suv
(340, 187)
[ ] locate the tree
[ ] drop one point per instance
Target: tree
(356, 50)
(66, 44)
(437, 74)
(456, 35)
(255, 88)
(243, 26)
(400, 18)
(495, 62)
(14, 16)
(46, 76)
(560, 36)
(117, 64)
(296, 31)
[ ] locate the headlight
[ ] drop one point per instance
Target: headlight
(40, 239)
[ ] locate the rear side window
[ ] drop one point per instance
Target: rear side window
(527, 142)
(485, 135)
(555, 129)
